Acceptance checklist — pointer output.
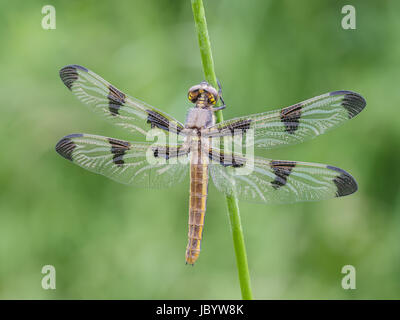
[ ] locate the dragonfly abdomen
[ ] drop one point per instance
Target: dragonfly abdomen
(197, 207)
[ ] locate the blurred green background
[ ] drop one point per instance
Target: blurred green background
(111, 241)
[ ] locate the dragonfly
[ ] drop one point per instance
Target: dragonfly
(155, 165)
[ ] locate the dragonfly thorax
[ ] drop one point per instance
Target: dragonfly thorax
(199, 118)
(203, 95)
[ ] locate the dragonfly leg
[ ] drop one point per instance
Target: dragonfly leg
(220, 97)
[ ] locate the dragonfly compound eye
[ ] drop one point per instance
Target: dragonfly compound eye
(193, 95)
(212, 94)
(212, 99)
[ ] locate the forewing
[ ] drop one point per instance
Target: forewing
(115, 105)
(294, 124)
(277, 181)
(138, 164)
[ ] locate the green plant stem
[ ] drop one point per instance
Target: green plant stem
(233, 207)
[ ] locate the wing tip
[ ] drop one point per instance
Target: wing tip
(75, 66)
(353, 102)
(69, 74)
(345, 183)
(66, 146)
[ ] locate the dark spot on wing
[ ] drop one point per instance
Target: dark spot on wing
(118, 149)
(227, 160)
(66, 146)
(169, 152)
(116, 99)
(242, 125)
(69, 74)
(352, 102)
(157, 120)
(161, 152)
(345, 183)
(282, 170)
(290, 117)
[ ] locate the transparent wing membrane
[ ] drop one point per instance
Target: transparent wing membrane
(294, 124)
(137, 164)
(116, 106)
(279, 181)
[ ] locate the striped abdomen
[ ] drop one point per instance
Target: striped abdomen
(197, 205)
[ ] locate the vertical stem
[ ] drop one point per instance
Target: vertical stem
(240, 248)
(205, 47)
(233, 207)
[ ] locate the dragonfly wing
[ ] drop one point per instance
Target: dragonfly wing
(115, 105)
(138, 164)
(294, 124)
(277, 181)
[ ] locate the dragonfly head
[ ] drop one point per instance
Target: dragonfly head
(203, 95)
